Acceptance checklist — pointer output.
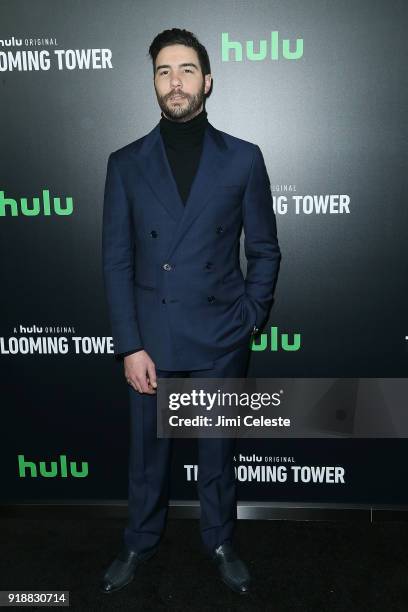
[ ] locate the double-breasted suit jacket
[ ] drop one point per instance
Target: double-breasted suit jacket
(172, 274)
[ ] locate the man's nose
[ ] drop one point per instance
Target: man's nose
(175, 81)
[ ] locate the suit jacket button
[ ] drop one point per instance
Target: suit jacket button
(163, 301)
(167, 266)
(211, 299)
(209, 265)
(219, 229)
(153, 234)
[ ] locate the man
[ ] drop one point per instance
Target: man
(175, 203)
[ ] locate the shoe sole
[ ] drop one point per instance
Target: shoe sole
(122, 586)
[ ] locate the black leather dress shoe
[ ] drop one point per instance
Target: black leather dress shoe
(122, 570)
(233, 571)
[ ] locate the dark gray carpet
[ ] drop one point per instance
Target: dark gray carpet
(296, 566)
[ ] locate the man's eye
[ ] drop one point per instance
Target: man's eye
(166, 71)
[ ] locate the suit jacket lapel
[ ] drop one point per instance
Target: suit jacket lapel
(156, 170)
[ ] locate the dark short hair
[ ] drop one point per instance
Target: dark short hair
(176, 36)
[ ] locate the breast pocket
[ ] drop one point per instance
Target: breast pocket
(229, 190)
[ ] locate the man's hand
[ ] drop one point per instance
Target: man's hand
(140, 372)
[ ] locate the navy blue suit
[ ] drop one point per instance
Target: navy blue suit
(174, 286)
(172, 274)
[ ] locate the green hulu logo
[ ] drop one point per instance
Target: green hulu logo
(277, 49)
(37, 206)
(277, 342)
(51, 469)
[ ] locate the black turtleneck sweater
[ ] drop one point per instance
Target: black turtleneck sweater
(183, 142)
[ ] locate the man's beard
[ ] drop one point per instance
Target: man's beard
(177, 112)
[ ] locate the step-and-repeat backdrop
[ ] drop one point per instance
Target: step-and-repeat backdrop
(321, 88)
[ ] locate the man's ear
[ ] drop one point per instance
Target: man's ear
(207, 79)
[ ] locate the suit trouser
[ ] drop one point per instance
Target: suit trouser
(149, 467)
